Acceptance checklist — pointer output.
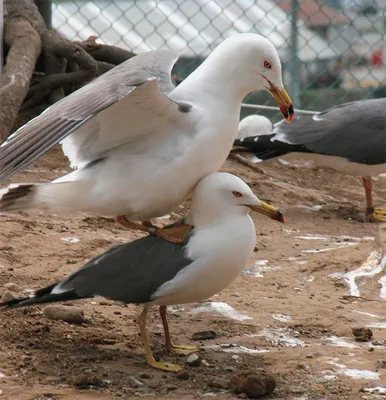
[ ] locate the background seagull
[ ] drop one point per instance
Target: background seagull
(350, 138)
(139, 144)
(153, 271)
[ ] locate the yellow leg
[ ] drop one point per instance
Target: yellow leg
(376, 214)
(149, 354)
(175, 234)
(184, 350)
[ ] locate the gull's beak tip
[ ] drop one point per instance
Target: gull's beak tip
(283, 100)
(279, 217)
(269, 211)
(290, 114)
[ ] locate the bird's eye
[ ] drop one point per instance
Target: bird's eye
(267, 64)
(237, 194)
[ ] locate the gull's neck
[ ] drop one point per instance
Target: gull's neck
(218, 77)
(204, 215)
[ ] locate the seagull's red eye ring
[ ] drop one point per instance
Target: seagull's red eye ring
(237, 194)
(267, 64)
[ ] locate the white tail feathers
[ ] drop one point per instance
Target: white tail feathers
(49, 197)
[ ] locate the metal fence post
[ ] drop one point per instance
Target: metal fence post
(294, 65)
(45, 8)
(1, 35)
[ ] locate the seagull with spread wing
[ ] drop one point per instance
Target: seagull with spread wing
(139, 144)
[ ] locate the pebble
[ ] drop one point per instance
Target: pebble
(381, 363)
(71, 314)
(184, 375)
(134, 382)
(218, 383)
(144, 375)
(362, 334)
(253, 383)
(171, 387)
(7, 296)
(194, 360)
(204, 335)
(378, 342)
(84, 380)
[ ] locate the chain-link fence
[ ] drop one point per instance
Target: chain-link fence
(332, 51)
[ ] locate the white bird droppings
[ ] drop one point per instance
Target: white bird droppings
(233, 348)
(358, 373)
(70, 239)
(379, 325)
(340, 342)
(382, 281)
(282, 317)
(367, 314)
(282, 337)
(374, 390)
(369, 268)
(221, 308)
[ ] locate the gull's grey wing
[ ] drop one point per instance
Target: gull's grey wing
(137, 86)
(355, 130)
(130, 272)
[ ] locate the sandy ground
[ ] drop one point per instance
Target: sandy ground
(287, 314)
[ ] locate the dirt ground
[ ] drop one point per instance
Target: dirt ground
(287, 314)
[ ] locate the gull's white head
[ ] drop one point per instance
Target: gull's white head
(246, 62)
(254, 125)
(221, 194)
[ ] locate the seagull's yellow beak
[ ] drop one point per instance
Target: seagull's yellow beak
(283, 100)
(267, 210)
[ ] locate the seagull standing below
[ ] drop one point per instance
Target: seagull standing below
(350, 138)
(139, 144)
(153, 271)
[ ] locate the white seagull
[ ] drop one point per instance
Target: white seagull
(139, 144)
(153, 271)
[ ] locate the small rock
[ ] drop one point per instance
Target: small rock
(362, 334)
(204, 335)
(309, 356)
(171, 387)
(71, 314)
(378, 342)
(117, 313)
(218, 383)
(206, 364)
(184, 375)
(253, 383)
(85, 380)
(381, 363)
(228, 368)
(14, 287)
(144, 375)
(7, 296)
(134, 382)
(194, 360)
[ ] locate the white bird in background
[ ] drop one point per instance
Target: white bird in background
(153, 271)
(139, 144)
(254, 125)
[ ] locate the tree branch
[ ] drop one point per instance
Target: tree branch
(25, 46)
